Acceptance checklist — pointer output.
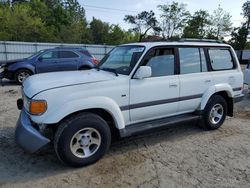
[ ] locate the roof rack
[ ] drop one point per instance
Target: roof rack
(200, 40)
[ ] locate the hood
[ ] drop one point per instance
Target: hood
(9, 62)
(40, 82)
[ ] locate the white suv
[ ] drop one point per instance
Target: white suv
(136, 87)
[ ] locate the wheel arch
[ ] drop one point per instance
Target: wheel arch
(103, 113)
(224, 90)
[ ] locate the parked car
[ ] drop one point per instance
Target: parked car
(50, 60)
(247, 76)
(136, 87)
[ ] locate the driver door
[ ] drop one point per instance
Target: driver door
(47, 62)
(157, 96)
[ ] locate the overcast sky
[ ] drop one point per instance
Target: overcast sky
(135, 6)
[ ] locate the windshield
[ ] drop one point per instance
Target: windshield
(122, 59)
(35, 54)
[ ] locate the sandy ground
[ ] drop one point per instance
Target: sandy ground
(180, 156)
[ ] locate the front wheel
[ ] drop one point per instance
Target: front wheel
(22, 75)
(215, 113)
(82, 139)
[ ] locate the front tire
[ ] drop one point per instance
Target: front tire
(215, 113)
(22, 75)
(82, 139)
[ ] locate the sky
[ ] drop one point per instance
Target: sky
(234, 7)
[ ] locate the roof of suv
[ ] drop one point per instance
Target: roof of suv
(152, 44)
(71, 48)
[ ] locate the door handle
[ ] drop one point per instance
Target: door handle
(207, 81)
(172, 85)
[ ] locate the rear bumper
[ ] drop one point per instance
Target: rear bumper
(238, 98)
(27, 136)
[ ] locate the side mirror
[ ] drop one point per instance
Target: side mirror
(143, 72)
(40, 58)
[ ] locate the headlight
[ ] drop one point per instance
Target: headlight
(37, 107)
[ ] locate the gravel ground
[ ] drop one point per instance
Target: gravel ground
(180, 156)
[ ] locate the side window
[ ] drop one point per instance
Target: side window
(190, 61)
(49, 55)
(220, 59)
(67, 54)
(161, 62)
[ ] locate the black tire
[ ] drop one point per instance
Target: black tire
(85, 68)
(69, 127)
(206, 122)
(19, 72)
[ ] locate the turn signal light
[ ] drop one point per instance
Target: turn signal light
(37, 107)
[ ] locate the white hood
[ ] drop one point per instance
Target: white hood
(40, 82)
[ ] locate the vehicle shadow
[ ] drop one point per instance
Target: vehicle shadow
(5, 82)
(16, 166)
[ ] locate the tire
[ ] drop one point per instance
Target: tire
(21, 75)
(212, 120)
(85, 68)
(78, 132)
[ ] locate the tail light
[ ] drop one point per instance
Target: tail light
(94, 61)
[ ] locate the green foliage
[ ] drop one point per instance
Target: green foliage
(174, 17)
(238, 40)
(197, 25)
(56, 21)
(143, 23)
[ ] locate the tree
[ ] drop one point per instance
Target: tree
(221, 23)
(143, 23)
(238, 40)
(99, 31)
(174, 17)
(19, 25)
(246, 13)
(197, 25)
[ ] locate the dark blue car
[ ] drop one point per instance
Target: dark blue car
(50, 60)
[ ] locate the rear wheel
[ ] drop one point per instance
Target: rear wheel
(22, 75)
(82, 139)
(214, 113)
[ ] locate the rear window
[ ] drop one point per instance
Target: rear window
(221, 59)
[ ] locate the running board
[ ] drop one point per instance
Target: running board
(148, 125)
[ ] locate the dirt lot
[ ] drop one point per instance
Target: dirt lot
(180, 156)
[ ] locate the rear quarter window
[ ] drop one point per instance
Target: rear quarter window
(221, 59)
(85, 53)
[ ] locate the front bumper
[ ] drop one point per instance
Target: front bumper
(27, 136)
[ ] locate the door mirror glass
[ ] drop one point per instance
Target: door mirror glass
(40, 58)
(143, 72)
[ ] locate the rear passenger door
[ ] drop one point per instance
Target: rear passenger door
(68, 60)
(194, 78)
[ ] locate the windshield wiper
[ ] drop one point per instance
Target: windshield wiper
(109, 70)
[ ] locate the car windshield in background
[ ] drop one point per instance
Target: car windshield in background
(122, 59)
(35, 54)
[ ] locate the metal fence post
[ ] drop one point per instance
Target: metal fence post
(36, 47)
(105, 49)
(5, 51)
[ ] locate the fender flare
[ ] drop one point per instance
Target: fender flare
(215, 89)
(57, 114)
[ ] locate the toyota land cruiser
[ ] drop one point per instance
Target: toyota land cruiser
(136, 87)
